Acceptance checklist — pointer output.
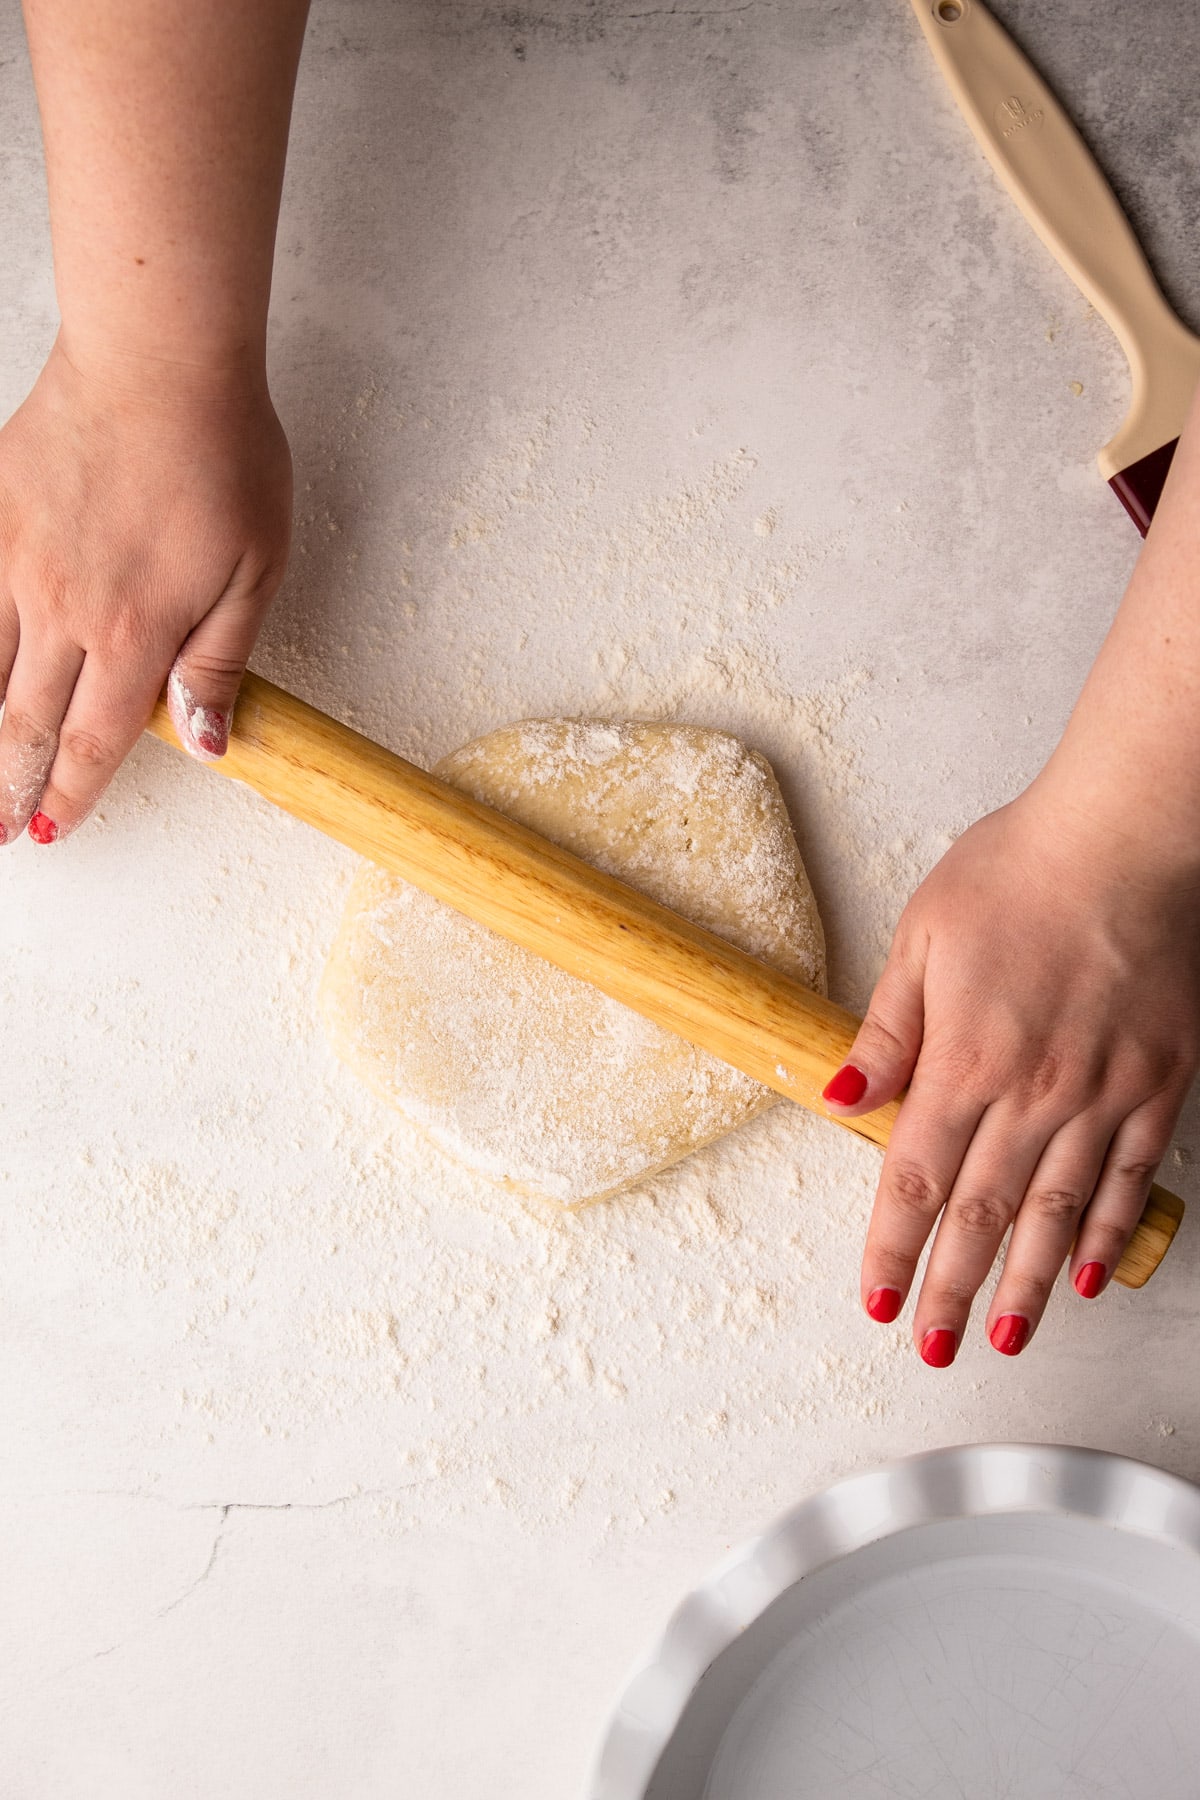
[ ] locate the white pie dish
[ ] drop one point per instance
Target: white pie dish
(994, 1619)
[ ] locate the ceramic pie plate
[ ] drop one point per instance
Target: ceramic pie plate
(994, 1620)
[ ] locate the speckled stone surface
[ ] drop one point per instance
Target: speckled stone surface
(677, 360)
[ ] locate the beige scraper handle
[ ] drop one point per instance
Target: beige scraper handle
(552, 903)
(1051, 174)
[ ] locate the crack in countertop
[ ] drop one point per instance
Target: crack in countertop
(223, 1508)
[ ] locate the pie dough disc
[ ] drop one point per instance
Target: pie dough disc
(528, 1075)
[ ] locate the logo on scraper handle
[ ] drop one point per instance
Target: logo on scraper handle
(1012, 116)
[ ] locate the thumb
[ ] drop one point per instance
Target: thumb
(202, 687)
(884, 1054)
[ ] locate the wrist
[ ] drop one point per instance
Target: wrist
(162, 364)
(1096, 814)
(160, 372)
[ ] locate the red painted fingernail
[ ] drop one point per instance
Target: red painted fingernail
(938, 1348)
(201, 729)
(847, 1087)
(41, 829)
(884, 1304)
(1009, 1334)
(1090, 1280)
(211, 744)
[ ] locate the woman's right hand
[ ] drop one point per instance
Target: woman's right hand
(145, 520)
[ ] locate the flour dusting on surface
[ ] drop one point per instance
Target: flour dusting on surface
(265, 1271)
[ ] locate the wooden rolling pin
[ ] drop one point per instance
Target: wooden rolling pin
(586, 922)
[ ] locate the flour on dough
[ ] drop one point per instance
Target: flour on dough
(522, 1072)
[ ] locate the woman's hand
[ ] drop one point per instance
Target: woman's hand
(145, 515)
(1042, 999)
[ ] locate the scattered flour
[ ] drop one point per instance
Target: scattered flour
(542, 582)
(280, 1282)
(499, 1352)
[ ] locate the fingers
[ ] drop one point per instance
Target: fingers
(884, 1053)
(203, 684)
(920, 1169)
(39, 692)
(108, 710)
(1121, 1193)
(990, 1186)
(69, 721)
(1008, 1176)
(1045, 1226)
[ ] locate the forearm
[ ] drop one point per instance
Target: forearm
(165, 126)
(1129, 759)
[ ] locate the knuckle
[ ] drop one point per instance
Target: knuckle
(877, 1042)
(914, 1192)
(26, 733)
(1106, 1241)
(981, 1215)
(1133, 1170)
(1173, 1070)
(910, 942)
(1158, 1069)
(264, 576)
(1043, 1074)
(54, 584)
(201, 666)
(85, 747)
(967, 1067)
(1052, 1092)
(126, 631)
(1058, 1206)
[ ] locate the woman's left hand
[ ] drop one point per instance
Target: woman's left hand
(1042, 1001)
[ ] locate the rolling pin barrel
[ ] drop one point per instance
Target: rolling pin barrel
(543, 898)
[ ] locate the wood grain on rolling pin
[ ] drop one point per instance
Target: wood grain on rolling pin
(548, 901)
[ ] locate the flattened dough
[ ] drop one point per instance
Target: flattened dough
(526, 1074)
